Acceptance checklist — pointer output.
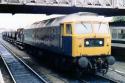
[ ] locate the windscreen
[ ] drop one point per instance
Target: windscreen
(101, 28)
(82, 28)
(88, 27)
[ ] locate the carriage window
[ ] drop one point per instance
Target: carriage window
(68, 29)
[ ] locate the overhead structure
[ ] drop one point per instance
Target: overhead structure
(120, 4)
(63, 6)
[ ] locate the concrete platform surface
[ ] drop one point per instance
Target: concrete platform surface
(117, 72)
(1, 77)
(119, 66)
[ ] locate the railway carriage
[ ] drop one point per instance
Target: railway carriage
(81, 39)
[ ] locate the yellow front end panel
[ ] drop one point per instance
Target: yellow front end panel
(96, 51)
(78, 48)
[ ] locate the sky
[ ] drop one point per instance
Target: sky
(9, 22)
(12, 22)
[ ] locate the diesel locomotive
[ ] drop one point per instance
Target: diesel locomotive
(82, 40)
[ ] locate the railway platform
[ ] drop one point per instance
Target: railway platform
(118, 50)
(1, 78)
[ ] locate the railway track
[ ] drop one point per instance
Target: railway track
(97, 79)
(19, 70)
(38, 69)
(93, 79)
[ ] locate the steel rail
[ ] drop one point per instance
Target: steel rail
(96, 79)
(29, 68)
(8, 69)
(110, 79)
(117, 71)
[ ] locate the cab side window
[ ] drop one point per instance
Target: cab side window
(62, 29)
(68, 29)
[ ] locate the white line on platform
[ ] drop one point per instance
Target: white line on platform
(26, 57)
(117, 71)
(1, 78)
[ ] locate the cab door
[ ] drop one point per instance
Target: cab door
(66, 31)
(62, 33)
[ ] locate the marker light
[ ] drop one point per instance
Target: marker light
(100, 42)
(87, 42)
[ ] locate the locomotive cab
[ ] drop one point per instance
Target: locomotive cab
(84, 40)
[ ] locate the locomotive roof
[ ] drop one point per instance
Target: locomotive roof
(81, 16)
